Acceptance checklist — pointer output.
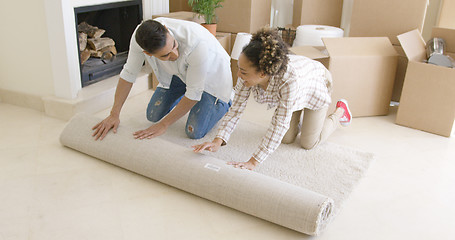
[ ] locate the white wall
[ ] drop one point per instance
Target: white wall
(25, 64)
(157, 7)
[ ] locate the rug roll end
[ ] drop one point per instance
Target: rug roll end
(325, 216)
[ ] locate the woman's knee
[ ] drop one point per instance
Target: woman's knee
(308, 145)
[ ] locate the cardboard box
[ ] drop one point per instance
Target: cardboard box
(243, 15)
(428, 98)
(363, 71)
(225, 40)
(317, 12)
(402, 64)
(179, 5)
(153, 80)
(182, 15)
(378, 18)
(234, 69)
(233, 36)
(234, 63)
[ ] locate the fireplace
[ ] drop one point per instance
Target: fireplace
(64, 52)
(118, 20)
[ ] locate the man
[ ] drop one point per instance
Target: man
(193, 71)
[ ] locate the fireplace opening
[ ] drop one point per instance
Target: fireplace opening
(104, 32)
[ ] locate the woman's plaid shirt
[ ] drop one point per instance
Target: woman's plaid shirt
(306, 84)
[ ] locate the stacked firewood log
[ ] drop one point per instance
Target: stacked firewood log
(91, 44)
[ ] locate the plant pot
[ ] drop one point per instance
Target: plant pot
(210, 27)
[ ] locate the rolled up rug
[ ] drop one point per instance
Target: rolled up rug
(256, 194)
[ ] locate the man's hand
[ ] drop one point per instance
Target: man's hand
(250, 165)
(113, 120)
(151, 132)
(103, 127)
(209, 146)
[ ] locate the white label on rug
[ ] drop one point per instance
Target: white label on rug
(212, 167)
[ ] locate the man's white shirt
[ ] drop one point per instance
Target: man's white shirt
(203, 64)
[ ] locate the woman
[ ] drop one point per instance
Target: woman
(294, 85)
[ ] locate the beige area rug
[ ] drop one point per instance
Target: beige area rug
(330, 169)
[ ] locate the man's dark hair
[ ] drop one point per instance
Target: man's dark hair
(151, 36)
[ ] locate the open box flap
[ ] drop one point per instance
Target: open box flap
(448, 34)
(309, 52)
(359, 46)
(413, 45)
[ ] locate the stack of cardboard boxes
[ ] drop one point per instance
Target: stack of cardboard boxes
(373, 18)
(425, 92)
(363, 71)
(242, 16)
(179, 5)
(366, 72)
(317, 12)
(235, 16)
(369, 67)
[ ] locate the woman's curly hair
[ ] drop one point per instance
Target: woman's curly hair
(267, 52)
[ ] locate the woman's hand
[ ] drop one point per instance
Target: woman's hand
(209, 146)
(151, 132)
(250, 165)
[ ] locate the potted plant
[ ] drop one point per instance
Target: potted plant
(206, 8)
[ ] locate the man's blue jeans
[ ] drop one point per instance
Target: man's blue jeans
(203, 116)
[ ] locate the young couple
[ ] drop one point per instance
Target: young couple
(194, 76)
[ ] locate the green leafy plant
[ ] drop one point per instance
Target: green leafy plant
(206, 8)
